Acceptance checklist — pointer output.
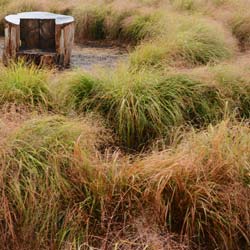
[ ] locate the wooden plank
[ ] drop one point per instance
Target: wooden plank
(47, 34)
(18, 38)
(13, 41)
(6, 52)
(68, 42)
(29, 32)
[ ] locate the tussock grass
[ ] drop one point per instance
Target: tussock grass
(11, 7)
(203, 42)
(24, 85)
(202, 103)
(54, 184)
(188, 5)
(141, 26)
(201, 188)
(45, 176)
(232, 14)
(234, 84)
(190, 41)
(90, 21)
(63, 185)
(74, 90)
(148, 55)
(225, 87)
(141, 105)
(98, 22)
(130, 21)
(130, 102)
(57, 193)
(240, 25)
(116, 20)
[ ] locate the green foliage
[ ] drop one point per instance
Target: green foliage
(196, 5)
(90, 22)
(235, 88)
(191, 41)
(115, 21)
(101, 22)
(76, 90)
(141, 26)
(148, 55)
(201, 104)
(27, 85)
(201, 43)
(141, 105)
(64, 185)
(240, 25)
(130, 103)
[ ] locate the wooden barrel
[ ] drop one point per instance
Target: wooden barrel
(42, 37)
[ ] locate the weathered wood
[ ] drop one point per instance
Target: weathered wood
(38, 57)
(6, 51)
(12, 36)
(47, 34)
(68, 42)
(29, 32)
(43, 37)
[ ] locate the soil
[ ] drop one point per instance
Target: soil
(90, 55)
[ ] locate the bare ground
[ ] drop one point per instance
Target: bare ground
(90, 55)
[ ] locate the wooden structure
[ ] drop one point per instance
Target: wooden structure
(42, 37)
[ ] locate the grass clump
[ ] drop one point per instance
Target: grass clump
(48, 166)
(240, 25)
(142, 105)
(234, 84)
(202, 43)
(24, 85)
(54, 185)
(76, 90)
(190, 42)
(189, 5)
(56, 191)
(203, 103)
(201, 188)
(104, 22)
(130, 103)
(50, 134)
(90, 22)
(115, 21)
(141, 26)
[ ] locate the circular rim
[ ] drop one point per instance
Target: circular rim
(59, 19)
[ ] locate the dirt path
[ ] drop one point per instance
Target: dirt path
(89, 56)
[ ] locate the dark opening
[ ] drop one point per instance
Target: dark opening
(37, 34)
